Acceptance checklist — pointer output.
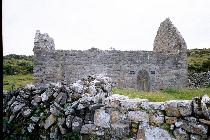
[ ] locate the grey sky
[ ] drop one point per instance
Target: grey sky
(82, 24)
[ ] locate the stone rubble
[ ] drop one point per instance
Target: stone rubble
(89, 108)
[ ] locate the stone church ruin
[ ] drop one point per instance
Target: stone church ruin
(165, 66)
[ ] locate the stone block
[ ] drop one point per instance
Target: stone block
(177, 108)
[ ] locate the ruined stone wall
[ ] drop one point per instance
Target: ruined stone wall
(88, 108)
(164, 67)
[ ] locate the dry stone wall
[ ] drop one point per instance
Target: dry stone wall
(88, 107)
(164, 67)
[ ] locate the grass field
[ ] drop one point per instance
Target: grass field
(164, 95)
(15, 81)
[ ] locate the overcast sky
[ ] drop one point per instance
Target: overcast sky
(121, 24)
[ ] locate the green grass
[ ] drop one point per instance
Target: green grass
(164, 95)
(15, 81)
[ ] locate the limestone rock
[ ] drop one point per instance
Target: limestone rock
(157, 118)
(30, 128)
(88, 129)
(27, 112)
(138, 116)
(178, 108)
(200, 107)
(171, 120)
(54, 110)
(153, 133)
(53, 133)
(11, 101)
(61, 122)
(44, 97)
(69, 120)
(17, 106)
(133, 104)
(181, 134)
(76, 124)
(61, 98)
(120, 130)
(37, 98)
(49, 121)
(195, 137)
(114, 100)
(77, 87)
(151, 107)
(35, 119)
(193, 127)
(102, 119)
(207, 122)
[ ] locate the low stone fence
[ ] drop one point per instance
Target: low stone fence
(88, 108)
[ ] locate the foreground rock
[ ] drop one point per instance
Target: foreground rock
(88, 108)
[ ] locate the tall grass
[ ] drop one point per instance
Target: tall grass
(11, 82)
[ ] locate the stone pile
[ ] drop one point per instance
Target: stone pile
(201, 79)
(88, 108)
(54, 109)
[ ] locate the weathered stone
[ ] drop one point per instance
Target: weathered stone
(61, 98)
(147, 132)
(133, 104)
(138, 116)
(44, 97)
(17, 106)
(76, 124)
(205, 99)
(59, 107)
(35, 119)
(54, 110)
(101, 118)
(192, 127)
(115, 100)
(55, 94)
(200, 107)
(151, 107)
(24, 94)
(30, 87)
(89, 117)
(120, 130)
(178, 108)
(53, 133)
(37, 98)
(204, 121)
(80, 106)
(30, 128)
(92, 89)
(116, 117)
(69, 111)
(77, 87)
(69, 120)
(171, 120)
(61, 122)
(88, 129)
(157, 118)
(49, 121)
(27, 112)
(195, 137)
(181, 134)
(11, 101)
(191, 119)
